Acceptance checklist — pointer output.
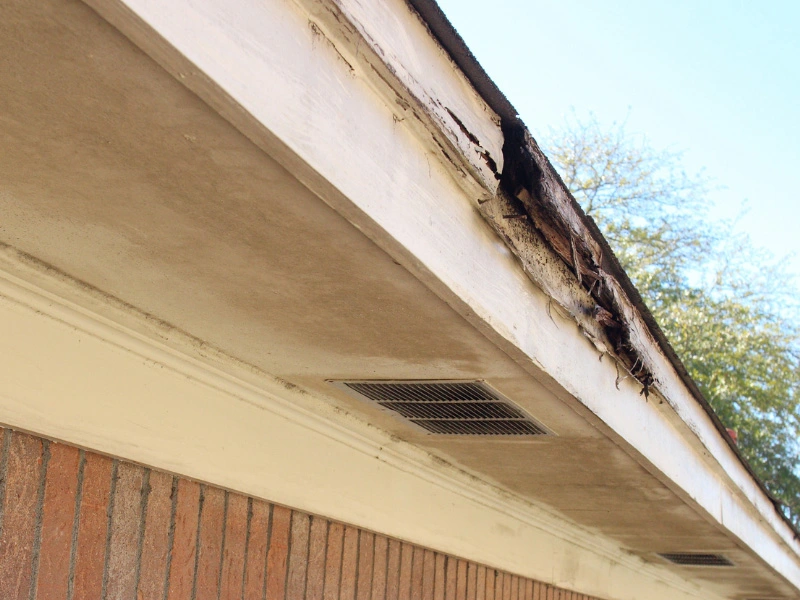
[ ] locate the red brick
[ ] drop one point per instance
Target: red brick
(212, 522)
(499, 578)
(428, 574)
(528, 589)
(507, 580)
(92, 527)
(277, 557)
(450, 578)
(472, 581)
(155, 544)
(379, 571)
(126, 518)
(234, 548)
(349, 564)
(393, 570)
(19, 514)
(439, 577)
(318, 539)
(416, 573)
(366, 550)
(550, 593)
(491, 577)
(406, 565)
(58, 516)
(298, 556)
(480, 583)
(514, 595)
(333, 561)
(461, 580)
(256, 567)
(184, 542)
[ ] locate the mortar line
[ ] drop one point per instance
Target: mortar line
(109, 515)
(37, 535)
(76, 522)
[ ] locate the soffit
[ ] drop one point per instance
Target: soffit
(116, 175)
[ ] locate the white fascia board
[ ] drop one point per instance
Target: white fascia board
(292, 76)
(209, 418)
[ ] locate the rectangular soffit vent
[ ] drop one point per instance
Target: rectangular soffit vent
(691, 559)
(448, 407)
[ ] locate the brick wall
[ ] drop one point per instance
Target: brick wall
(75, 525)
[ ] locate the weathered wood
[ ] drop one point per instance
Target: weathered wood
(571, 236)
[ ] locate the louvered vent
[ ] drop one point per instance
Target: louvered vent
(448, 407)
(697, 560)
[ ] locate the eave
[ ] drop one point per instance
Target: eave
(558, 218)
(248, 239)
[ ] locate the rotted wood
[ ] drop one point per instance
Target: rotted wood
(573, 237)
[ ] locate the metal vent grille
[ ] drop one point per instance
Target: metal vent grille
(697, 560)
(448, 407)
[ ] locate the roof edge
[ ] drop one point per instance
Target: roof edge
(527, 168)
(447, 36)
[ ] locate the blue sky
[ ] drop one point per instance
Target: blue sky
(717, 80)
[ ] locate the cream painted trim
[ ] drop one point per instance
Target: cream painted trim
(75, 376)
